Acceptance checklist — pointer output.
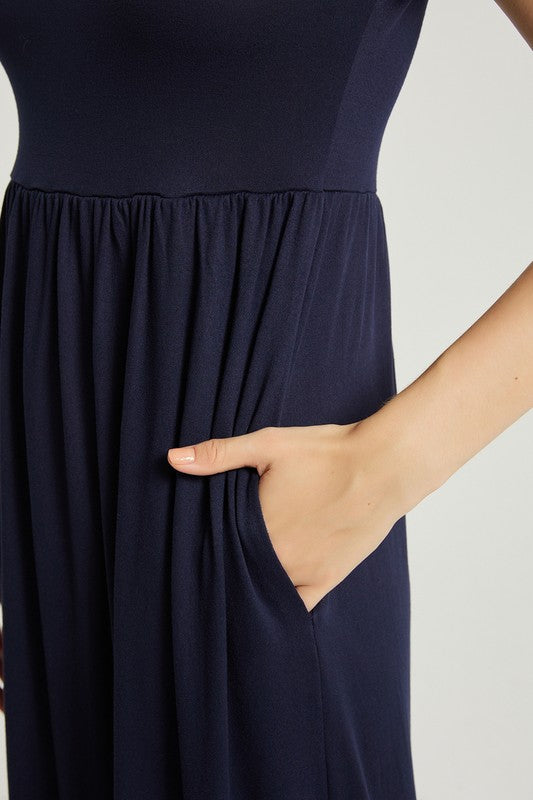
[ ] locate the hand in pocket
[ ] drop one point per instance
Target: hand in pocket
(326, 504)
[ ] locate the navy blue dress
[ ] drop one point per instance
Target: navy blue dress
(192, 245)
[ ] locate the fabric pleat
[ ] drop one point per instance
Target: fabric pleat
(156, 628)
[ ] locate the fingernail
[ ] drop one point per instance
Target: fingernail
(181, 455)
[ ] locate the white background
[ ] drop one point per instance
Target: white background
(455, 182)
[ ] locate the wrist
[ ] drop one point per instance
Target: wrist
(392, 458)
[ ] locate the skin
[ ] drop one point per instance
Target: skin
(331, 493)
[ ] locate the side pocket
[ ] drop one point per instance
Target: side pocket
(355, 583)
(274, 569)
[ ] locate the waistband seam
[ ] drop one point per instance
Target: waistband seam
(224, 193)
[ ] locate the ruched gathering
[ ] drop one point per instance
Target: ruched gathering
(161, 630)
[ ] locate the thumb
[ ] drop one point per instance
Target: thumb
(219, 455)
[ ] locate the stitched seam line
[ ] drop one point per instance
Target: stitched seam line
(157, 195)
(319, 661)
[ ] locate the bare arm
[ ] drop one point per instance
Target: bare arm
(520, 12)
(331, 493)
(475, 389)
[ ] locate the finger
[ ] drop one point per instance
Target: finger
(219, 455)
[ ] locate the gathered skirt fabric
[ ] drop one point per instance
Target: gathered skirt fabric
(154, 645)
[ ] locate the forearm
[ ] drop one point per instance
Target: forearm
(475, 389)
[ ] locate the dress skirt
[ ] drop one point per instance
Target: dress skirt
(155, 647)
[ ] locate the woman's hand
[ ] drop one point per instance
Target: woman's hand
(327, 497)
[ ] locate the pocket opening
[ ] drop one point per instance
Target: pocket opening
(278, 568)
(269, 552)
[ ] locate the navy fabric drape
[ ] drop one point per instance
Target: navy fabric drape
(192, 245)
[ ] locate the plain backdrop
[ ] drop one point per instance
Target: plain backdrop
(455, 182)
